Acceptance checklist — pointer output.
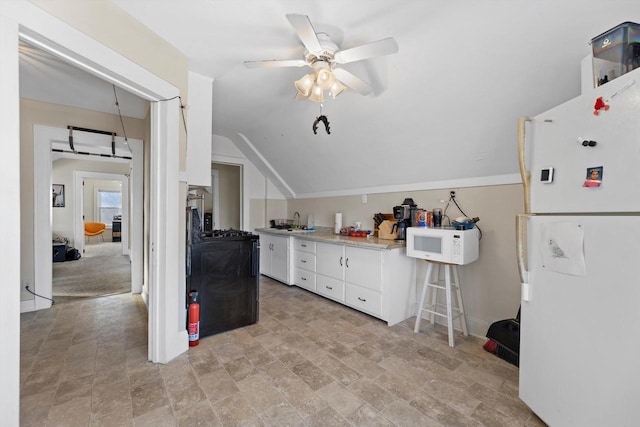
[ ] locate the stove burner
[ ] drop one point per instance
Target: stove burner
(227, 233)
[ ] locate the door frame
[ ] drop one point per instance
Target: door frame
(79, 178)
(35, 26)
(23, 20)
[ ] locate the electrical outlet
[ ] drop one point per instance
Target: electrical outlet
(364, 198)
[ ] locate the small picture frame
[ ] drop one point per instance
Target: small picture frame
(594, 177)
(57, 195)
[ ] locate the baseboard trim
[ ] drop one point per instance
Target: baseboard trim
(27, 306)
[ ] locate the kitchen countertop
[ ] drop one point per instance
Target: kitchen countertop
(327, 235)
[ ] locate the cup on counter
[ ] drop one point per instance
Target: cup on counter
(437, 217)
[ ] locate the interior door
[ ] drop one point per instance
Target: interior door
(579, 347)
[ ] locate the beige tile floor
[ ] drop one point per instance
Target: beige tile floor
(308, 362)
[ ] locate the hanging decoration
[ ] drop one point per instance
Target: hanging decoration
(324, 120)
(321, 118)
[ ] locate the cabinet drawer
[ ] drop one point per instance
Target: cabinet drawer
(363, 299)
(304, 260)
(305, 279)
(304, 245)
(330, 287)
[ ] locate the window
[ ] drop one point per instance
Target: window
(109, 205)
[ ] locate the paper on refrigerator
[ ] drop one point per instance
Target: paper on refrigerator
(562, 248)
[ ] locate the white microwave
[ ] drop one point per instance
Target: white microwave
(443, 244)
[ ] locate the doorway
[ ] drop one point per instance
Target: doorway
(225, 199)
(26, 21)
(45, 139)
(102, 266)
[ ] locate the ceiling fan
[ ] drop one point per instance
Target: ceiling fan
(324, 56)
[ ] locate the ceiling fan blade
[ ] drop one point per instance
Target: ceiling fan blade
(369, 50)
(275, 63)
(302, 25)
(348, 79)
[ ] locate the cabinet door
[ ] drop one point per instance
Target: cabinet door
(280, 258)
(363, 267)
(265, 254)
(330, 260)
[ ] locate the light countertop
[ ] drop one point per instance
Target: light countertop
(326, 235)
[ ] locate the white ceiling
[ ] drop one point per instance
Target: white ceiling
(444, 107)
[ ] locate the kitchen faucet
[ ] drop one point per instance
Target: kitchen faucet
(296, 218)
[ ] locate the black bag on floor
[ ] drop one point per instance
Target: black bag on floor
(72, 254)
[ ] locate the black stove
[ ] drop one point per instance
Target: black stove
(223, 266)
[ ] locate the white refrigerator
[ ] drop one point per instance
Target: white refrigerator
(579, 259)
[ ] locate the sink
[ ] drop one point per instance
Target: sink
(299, 230)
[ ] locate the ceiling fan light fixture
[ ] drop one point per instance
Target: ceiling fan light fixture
(336, 88)
(317, 94)
(305, 84)
(325, 78)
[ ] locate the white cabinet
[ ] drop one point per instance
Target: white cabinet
(304, 264)
(330, 270)
(274, 257)
(363, 267)
(379, 282)
(330, 260)
(363, 279)
(343, 271)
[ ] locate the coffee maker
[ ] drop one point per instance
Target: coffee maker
(402, 213)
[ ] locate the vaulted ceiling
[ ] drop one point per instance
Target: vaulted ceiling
(444, 107)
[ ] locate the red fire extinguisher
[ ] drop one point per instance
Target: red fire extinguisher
(194, 319)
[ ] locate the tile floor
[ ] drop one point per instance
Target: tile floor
(308, 362)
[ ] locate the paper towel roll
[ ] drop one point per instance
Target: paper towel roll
(338, 223)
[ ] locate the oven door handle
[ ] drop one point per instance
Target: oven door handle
(255, 258)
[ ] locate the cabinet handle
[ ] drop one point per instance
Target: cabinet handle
(347, 263)
(362, 299)
(303, 278)
(304, 261)
(328, 287)
(303, 245)
(340, 261)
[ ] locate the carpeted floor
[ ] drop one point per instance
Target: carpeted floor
(100, 272)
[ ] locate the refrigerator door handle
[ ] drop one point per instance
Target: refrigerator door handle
(521, 249)
(524, 172)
